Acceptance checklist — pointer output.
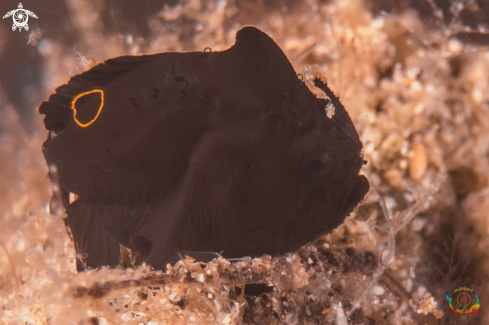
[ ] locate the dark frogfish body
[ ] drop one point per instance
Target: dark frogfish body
(185, 153)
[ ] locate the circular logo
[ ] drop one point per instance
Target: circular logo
(463, 300)
(20, 17)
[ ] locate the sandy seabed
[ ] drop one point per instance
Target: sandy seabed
(418, 93)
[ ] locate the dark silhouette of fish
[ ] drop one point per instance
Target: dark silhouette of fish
(226, 152)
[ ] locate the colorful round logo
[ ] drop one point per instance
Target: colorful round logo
(463, 300)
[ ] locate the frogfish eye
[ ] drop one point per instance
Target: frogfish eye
(318, 164)
(87, 107)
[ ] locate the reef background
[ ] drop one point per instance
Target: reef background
(414, 77)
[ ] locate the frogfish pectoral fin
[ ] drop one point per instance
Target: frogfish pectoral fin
(95, 247)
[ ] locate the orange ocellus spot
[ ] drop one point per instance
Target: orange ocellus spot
(87, 107)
